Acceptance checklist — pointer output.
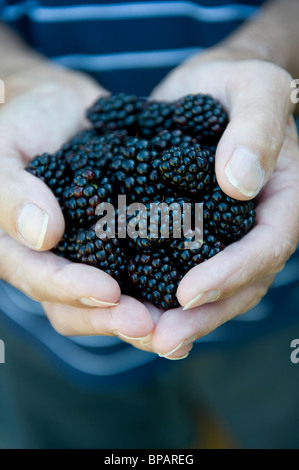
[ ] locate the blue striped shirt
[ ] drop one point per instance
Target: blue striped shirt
(128, 46)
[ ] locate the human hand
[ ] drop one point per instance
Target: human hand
(257, 154)
(45, 107)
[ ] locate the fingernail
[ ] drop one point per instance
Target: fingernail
(32, 225)
(133, 338)
(92, 302)
(203, 298)
(182, 344)
(176, 358)
(245, 172)
(146, 340)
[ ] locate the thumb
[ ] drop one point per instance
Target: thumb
(249, 148)
(29, 211)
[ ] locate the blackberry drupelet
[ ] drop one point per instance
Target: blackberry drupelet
(202, 116)
(226, 217)
(190, 170)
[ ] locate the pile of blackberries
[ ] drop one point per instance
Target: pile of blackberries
(152, 153)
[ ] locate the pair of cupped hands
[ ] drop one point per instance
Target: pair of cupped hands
(257, 156)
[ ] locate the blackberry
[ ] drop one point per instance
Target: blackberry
(52, 170)
(81, 198)
(96, 152)
(67, 246)
(135, 170)
(165, 139)
(116, 111)
(104, 253)
(154, 117)
(201, 115)
(79, 140)
(226, 217)
(190, 170)
(195, 252)
(159, 221)
(154, 278)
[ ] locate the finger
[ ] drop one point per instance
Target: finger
(29, 210)
(177, 330)
(129, 319)
(259, 111)
(47, 277)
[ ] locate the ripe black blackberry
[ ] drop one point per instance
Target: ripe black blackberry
(226, 217)
(154, 278)
(158, 222)
(79, 140)
(202, 116)
(80, 199)
(195, 252)
(68, 246)
(52, 170)
(96, 152)
(104, 253)
(165, 139)
(116, 111)
(189, 169)
(135, 170)
(154, 117)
